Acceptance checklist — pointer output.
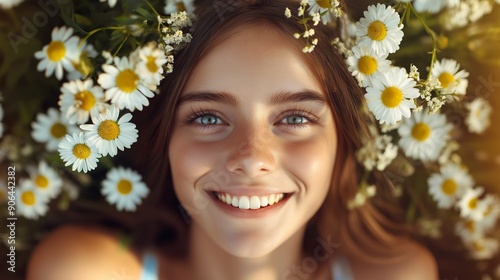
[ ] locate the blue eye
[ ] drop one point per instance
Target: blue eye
(296, 119)
(207, 119)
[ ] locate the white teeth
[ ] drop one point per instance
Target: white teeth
(250, 202)
(244, 203)
(254, 202)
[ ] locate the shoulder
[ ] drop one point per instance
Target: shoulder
(415, 263)
(74, 252)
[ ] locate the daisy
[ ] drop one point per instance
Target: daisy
(478, 118)
(468, 230)
(491, 204)
(75, 149)
(108, 133)
(123, 85)
(51, 128)
(62, 52)
(470, 206)
(379, 29)
(124, 188)
(449, 185)
(434, 6)
(364, 63)
(328, 9)
(9, 4)
(111, 3)
(150, 65)
(29, 201)
(483, 248)
(174, 6)
(45, 180)
(424, 135)
(451, 80)
(79, 99)
(390, 95)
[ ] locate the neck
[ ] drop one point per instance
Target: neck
(211, 262)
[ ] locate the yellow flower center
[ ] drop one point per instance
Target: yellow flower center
(469, 225)
(58, 130)
(151, 64)
(41, 181)
(446, 79)
(56, 51)
(124, 186)
(81, 151)
(449, 187)
(28, 198)
(127, 81)
(87, 100)
(477, 246)
(391, 97)
(367, 65)
(180, 6)
(473, 203)
(325, 4)
(421, 131)
(108, 130)
(377, 30)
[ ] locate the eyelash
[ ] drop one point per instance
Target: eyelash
(310, 118)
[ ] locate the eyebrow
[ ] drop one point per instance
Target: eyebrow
(226, 98)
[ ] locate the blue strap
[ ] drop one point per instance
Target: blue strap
(341, 269)
(150, 270)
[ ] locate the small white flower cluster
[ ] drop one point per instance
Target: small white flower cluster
(361, 196)
(325, 11)
(91, 121)
(9, 4)
(378, 153)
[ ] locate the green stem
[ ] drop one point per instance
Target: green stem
(97, 30)
(152, 8)
(121, 45)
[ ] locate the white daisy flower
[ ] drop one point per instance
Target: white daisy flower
(124, 188)
(469, 230)
(364, 63)
(434, 6)
(491, 204)
(390, 95)
(483, 248)
(379, 29)
(123, 85)
(45, 180)
(76, 150)
(108, 133)
(328, 8)
(424, 135)
(478, 118)
(451, 80)
(61, 52)
(79, 99)
(449, 185)
(51, 128)
(470, 205)
(111, 3)
(174, 6)
(9, 4)
(151, 59)
(30, 203)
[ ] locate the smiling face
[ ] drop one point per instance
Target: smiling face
(253, 147)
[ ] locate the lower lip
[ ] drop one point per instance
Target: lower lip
(250, 213)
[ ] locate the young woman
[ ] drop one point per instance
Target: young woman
(249, 150)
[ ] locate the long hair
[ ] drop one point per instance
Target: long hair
(363, 232)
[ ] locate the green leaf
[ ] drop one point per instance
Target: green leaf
(145, 13)
(82, 20)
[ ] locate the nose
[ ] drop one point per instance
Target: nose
(253, 154)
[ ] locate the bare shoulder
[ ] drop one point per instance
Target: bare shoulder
(74, 252)
(416, 263)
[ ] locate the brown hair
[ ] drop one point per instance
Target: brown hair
(364, 232)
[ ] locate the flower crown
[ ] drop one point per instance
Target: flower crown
(413, 138)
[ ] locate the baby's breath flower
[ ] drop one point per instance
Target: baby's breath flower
(288, 13)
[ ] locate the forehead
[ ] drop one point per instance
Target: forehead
(253, 59)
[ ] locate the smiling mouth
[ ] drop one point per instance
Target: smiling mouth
(250, 202)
